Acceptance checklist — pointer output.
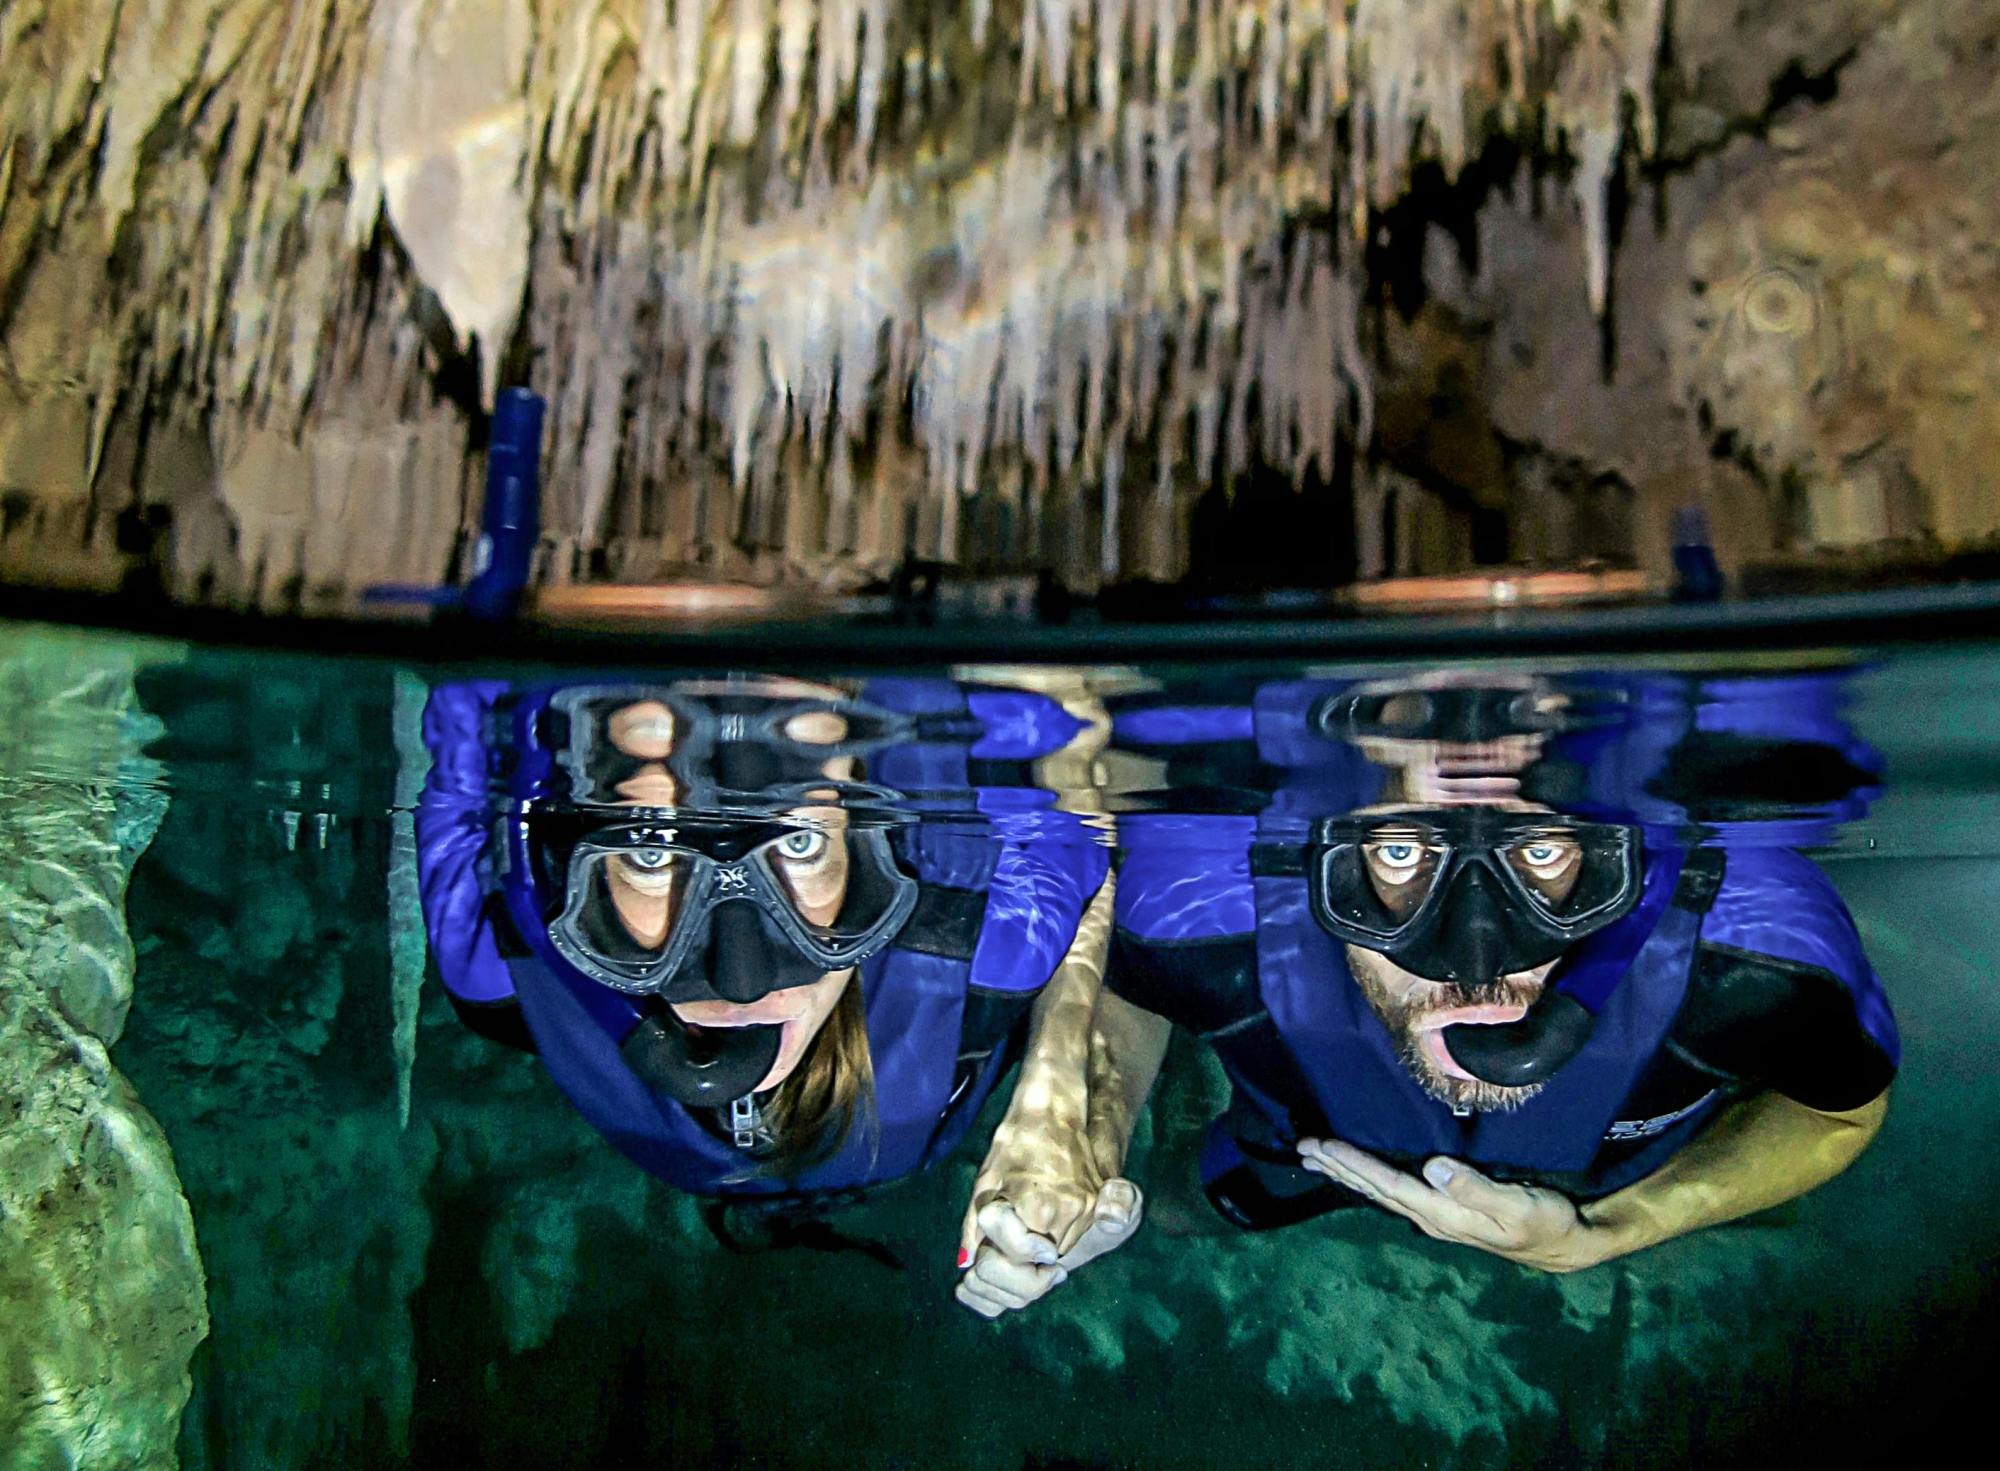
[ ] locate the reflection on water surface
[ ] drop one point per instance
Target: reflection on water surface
(1477, 1064)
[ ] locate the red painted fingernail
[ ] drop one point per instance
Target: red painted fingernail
(964, 1259)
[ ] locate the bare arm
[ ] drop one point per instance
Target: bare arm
(1032, 1160)
(1127, 1046)
(1050, 1197)
(1757, 1154)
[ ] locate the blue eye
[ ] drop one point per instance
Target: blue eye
(1396, 859)
(802, 846)
(649, 858)
(1544, 856)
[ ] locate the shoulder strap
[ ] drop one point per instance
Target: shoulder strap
(1277, 861)
(990, 1018)
(1769, 1022)
(496, 1021)
(1206, 985)
(1701, 880)
(945, 923)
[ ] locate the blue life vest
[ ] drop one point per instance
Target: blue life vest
(1636, 971)
(1307, 1054)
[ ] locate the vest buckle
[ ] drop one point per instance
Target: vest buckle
(746, 1122)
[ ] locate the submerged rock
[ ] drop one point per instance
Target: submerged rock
(103, 1286)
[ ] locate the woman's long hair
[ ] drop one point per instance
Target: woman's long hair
(815, 1109)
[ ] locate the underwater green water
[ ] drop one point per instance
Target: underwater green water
(410, 1248)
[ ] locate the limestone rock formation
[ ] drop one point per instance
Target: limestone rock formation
(265, 1035)
(359, 1164)
(809, 287)
(103, 1286)
(1800, 326)
(812, 288)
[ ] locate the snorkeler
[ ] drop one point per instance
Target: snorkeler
(729, 943)
(1552, 1030)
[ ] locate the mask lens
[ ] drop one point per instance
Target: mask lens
(645, 889)
(1574, 874)
(817, 727)
(1547, 866)
(1402, 867)
(839, 885)
(625, 907)
(1371, 880)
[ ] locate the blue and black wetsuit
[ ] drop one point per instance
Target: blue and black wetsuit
(944, 1004)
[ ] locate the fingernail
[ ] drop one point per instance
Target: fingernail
(1059, 1276)
(964, 1259)
(1439, 1172)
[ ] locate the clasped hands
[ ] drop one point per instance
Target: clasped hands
(1042, 1205)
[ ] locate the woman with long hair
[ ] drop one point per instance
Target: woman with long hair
(755, 967)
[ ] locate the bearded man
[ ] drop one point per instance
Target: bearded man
(1549, 1034)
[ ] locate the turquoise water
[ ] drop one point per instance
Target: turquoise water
(271, 1201)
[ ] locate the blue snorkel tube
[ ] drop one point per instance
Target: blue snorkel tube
(510, 522)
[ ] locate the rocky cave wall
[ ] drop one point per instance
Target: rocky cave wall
(1799, 334)
(275, 1037)
(811, 288)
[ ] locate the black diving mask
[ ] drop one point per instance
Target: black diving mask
(1465, 895)
(1467, 713)
(722, 739)
(701, 909)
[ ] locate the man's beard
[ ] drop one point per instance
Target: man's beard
(1404, 1017)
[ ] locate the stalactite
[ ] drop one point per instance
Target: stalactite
(1587, 107)
(408, 947)
(731, 234)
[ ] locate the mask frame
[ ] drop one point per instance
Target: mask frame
(706, 728)
(726, 862)
(1479, 912)
(1463, 713)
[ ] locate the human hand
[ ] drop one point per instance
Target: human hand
(1454, 1202)
(1010, 1266)
(1041, 1160)
(1040, 1208)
